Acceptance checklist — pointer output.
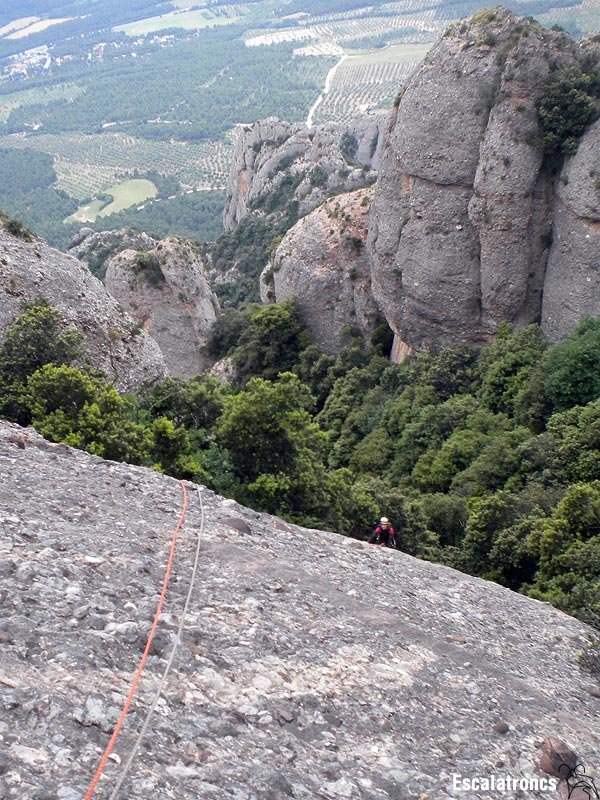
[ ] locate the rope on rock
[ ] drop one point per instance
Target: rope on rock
(112, 741)
(163, 680)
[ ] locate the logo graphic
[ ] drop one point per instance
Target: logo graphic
(577, 779)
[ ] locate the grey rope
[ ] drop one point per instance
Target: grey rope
(165, 675)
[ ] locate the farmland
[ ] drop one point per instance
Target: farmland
(124, 195)
(369, 81)
(36, 27)
(140, 86)
(86, 165)
(189, 20)
(582, 18)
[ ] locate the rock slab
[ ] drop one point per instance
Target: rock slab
(311, 665)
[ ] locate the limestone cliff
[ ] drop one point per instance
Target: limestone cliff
(462, 220)
(310, 665)
(323, 261)
(113, 342)
(326, 158)
(166, 290)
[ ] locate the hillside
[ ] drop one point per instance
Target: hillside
(111, 93)
(112, 341)
(311, 665)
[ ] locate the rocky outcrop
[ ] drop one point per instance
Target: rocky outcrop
(113, 342)
(323, 262)
(317, 161)
(327, 667)
(572, 282)
(96, 248)
(165, 289)
(461, 223)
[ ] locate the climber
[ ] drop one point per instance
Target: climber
(383, 534)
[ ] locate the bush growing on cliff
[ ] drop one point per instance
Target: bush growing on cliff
(569, 104)
(147, 266)
(83, 410)
(16, 228)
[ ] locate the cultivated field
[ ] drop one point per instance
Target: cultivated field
(189, 20)
(125, 194)
(370, 76)
(421, 25)
(86, 165)
(36, 27)
(369, 81)
(585, 15)
(17, 24)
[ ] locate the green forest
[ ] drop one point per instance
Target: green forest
(194, 89)
(485, 461)
(28, 192)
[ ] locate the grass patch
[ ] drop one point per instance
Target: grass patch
(188, 20)
(124, 195)
(127, 194)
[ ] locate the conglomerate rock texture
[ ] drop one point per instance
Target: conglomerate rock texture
(95, 248)
(572, 283)
(311, 665)
(173, 301)
(113, 343)
(326, 158)
(322, 261)
(461, 229)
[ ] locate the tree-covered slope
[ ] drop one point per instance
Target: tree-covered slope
(486, 461)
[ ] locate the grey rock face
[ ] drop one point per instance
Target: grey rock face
(311, 665)
(339, 158)
(29, 271)
(462, 216)
(323, 261)
(80, 236)
(572, 284)
(176, 304)
(223, 370)
(96, 248)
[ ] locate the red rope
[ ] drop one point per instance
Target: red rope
(140, 669)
